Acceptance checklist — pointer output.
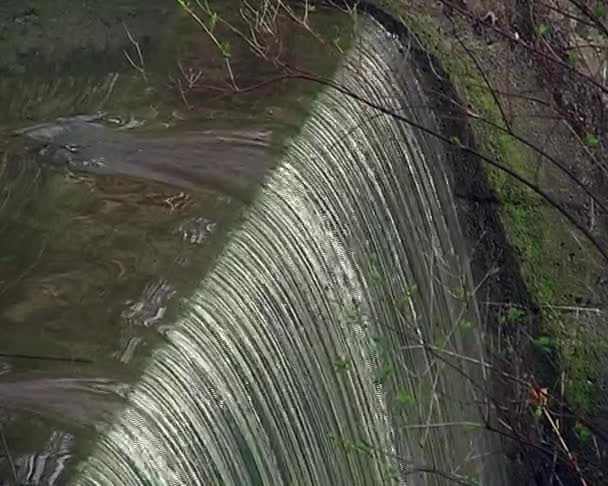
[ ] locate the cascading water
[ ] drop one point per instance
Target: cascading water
(303, 359)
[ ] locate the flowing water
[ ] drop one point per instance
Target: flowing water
(348, 260)
(313, 312)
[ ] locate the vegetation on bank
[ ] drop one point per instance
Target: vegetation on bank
(569, 337)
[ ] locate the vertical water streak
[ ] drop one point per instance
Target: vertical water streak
(300, 360)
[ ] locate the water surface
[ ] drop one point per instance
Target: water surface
(116, 195)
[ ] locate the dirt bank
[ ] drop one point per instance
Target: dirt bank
(529, 180)
(532, 109)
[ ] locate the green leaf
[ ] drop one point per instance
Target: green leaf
(212, 21)
(411, 291)
(185, 4)
(442, 342)
(394, 473)
(375, 276)
(405, 399)
(342, 363)
(362, 446)
(466, 324)
(542, 29)
(515, 314)
(456, 141)
(599, 10)
(545, 343)
(225, 48)
(582, 432)
(590, 139)
(405, 300)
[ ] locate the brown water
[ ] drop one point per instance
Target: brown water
(91, 267)
(107, 221)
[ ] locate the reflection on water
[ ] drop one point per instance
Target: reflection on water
(44, 467)
(46, 413)
(90, 268)
(107, 220)
(234, 160)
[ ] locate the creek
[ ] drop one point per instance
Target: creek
(229, 290)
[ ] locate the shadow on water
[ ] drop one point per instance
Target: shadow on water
(116, 194)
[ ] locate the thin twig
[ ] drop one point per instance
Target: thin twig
(565, 446)
(8, 455)
(138, 67)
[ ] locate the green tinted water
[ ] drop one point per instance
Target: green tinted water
(93, 266)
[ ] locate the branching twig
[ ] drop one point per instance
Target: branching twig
(138, 67)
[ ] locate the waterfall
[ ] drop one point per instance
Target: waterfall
(304, 356)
